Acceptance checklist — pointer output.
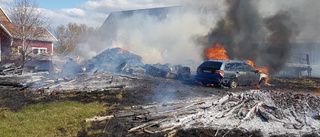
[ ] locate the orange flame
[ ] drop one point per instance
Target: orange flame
(266, 81)
(217, 52)
(123, 49)
(263, 70)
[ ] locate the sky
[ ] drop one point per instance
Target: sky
(89, 12)
(94, 12)
(57, 4)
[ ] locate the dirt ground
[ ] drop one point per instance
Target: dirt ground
(154, 90)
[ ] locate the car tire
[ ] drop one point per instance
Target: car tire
(262, 82)
(233, 83)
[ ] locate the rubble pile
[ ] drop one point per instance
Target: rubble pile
(271, 112)
(111, 59)
(158, 72)
(10, 68)
(85, 82)
(123, 61)
(34, 63)
(89, 82)
(164, 71)
(39, 63)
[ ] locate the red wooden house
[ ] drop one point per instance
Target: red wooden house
(9, 39)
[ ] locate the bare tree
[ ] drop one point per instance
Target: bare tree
(70, 36)
(29, 23)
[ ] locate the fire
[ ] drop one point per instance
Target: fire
(266, 81)
(263, 70)
(84, 69)
(217, 52)
(123, 49)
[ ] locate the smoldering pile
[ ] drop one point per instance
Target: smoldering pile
(123, 61)
(112, 69)
(35, 63)
(110, 60)
(271, 112)
(10, 68)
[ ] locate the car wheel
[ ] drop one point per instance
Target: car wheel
(233, 83)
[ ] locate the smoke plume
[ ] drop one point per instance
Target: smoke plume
(277, 47)
(257, 30)
(249, 36)
(158, 37)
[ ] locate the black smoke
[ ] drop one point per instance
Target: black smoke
(277, 48)
(249, 36)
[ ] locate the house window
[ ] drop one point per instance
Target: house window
(39, 50)
(35, 51)
(43, 50)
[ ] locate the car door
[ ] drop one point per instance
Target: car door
(241, 74)
(252, 75)
(229, 70)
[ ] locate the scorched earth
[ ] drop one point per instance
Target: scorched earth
(154, 100)
(153, 106)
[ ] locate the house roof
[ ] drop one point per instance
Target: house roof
(3, 16)
(35, 33)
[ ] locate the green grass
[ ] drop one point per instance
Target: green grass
(51, 119)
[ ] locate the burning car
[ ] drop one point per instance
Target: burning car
(228, 73)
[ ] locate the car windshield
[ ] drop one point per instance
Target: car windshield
(211, 65)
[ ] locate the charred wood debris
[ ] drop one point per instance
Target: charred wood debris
(123, 61)
(10, 68)
(112, 68)
(269, 112)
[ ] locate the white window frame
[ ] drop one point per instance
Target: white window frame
(39, 50)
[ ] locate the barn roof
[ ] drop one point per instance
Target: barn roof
(112, 23)
(160, 13)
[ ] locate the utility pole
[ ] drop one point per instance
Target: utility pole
(308, 63)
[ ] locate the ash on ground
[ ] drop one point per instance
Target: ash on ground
(269, 113)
